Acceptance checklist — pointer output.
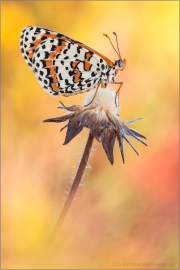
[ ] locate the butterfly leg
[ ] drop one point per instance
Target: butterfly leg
(117, 92)
(94, 95)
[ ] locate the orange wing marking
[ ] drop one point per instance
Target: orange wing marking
(77, 76)
(36, 43)
(55, 79)
(87, 66)
(74, 64)
(30, 55)
(88, 56)
(55, 87)
(60, 48)
(49, 63)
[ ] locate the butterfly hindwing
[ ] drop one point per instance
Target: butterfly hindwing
(58, 66)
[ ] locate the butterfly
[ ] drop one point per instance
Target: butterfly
(65, 66)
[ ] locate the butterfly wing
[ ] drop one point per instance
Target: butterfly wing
(62, 65)
(60, 69)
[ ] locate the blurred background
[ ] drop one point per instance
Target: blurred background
(125, 216)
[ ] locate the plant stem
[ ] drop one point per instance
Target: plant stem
(74, 186)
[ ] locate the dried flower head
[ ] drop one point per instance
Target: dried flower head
(101, 117)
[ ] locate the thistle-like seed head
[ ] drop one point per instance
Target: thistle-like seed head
(101, 117)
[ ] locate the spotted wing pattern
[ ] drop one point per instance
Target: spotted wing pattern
(62, 65)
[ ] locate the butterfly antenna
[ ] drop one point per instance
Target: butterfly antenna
(111, 42)
(117, 44)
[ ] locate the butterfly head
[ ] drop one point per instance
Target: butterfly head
(119, 64)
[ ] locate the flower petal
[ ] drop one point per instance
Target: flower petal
(133, 121)
(132, 133)
(59, 119)
(126, 139)
(137, 134)
(74, 128)
(71, 108)
(108, 137)
(120, 141)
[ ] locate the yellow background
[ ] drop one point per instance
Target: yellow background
(125, 216)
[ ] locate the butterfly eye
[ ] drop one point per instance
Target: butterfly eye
(120, 63)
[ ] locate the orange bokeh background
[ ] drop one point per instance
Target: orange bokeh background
(125, 216)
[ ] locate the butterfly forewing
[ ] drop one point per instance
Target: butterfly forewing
(63, 66)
